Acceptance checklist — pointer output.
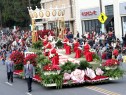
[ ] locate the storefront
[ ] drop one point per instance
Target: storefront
(123, 17)
(89, 19)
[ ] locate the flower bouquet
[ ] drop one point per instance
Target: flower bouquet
(31, 58)
(17, 57)
(94, 76)
(78, 75)
(110, 64)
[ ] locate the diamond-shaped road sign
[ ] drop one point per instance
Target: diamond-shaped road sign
(102, 18)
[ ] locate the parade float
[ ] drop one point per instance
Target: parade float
(66, 70)
(58, 68)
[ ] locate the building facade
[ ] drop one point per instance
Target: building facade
(69, 17)
(89, 12)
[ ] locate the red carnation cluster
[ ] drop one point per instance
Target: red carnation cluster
(31, 58)
(110, 62)
(17, 57)
(50, 68)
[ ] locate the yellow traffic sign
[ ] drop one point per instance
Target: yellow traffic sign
(102, 18)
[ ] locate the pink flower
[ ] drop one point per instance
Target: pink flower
(66, 76)
(90, 73)
(78, 75)
(99, 71)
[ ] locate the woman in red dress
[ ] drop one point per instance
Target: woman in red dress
(45, 41)
(76, 45)
(47, 48)
(78, 52)
(86, 48)
(65, 42)
(88, 55)
(54, 58)
(68, 48)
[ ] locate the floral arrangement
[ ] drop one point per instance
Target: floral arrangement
(110, 63)
(68, 67)
(31, 58)
(78, 75)
(84, 65)
(99, 72)
(66, 76)
(17, 57)
(114, 73)
(90, 73)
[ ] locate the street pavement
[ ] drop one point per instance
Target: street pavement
(19, 87)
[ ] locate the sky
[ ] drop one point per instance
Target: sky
(85, 4)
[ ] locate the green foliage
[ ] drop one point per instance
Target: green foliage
(18, 66)
(46, 61)
(113, 73)
(96, 57)
(68, 67)
(39, 53)
(84, 65)
(37, 70)
(37, 45)
(14, 12)
(53, 79)
(43, 60)
(35, 3)
(59, 44)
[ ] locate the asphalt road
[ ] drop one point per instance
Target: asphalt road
(19, 87)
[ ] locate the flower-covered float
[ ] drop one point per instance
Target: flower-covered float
(57, 69)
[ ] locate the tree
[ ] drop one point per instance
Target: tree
(35, 3)
(15, 12)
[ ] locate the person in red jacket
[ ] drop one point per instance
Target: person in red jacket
(115, 53)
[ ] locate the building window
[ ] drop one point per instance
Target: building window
(89, 25)
(123, 25)
(43, 5)
(67, 25)
(109, 10)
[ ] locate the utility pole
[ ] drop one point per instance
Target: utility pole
(102, 25)
(100, 1)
